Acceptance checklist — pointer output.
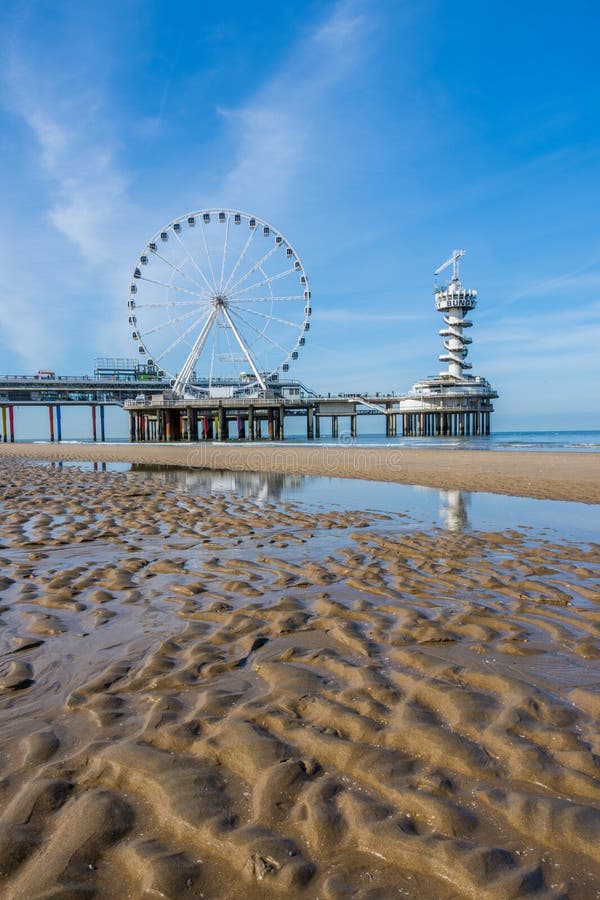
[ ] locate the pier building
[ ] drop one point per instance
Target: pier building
(453, 402)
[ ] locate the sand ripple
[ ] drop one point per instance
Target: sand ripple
(221, 698)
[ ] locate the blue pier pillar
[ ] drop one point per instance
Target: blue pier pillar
(102, 431)
(58, 425)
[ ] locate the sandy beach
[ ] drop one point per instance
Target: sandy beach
(222, 697)
(542, 475)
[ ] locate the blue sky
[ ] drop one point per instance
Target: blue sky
(376, 135)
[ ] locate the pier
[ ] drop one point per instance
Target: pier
(252, 405)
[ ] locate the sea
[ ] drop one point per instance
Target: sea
(575, 441)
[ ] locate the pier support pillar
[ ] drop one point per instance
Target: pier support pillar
(280, 423)
(223, 424)
(334, 426)
(93, 422)
(251, 434)
(4, 432)
(310, 423)
(11, 423)
(270, 424)
(353, 420)
(102, 429)
(132, 435)
(58, 425)
(317, 426)
(51, 422)
(241, 427)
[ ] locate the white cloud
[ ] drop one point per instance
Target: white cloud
(274, 130)
(83, 197)
(350, 317)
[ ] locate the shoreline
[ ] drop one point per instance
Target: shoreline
(548, 475)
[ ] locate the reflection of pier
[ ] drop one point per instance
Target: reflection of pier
(454, 510)
(258, 485)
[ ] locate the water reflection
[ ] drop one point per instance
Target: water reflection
(454, 510)
(259, 485)
(275, 486)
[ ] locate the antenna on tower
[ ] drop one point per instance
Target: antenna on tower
(456, 255)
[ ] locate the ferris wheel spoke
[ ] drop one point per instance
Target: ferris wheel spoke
(174, 287)
(185, 374)
(182, 336)
(258, 284)
(225, 246)
(267, 299)
(256, 266)
(177, 268)
(245, 349)
(155, 328)
(212, 358)
(260, 333)
(194, 263)
(167, 303)
(212, 271)
(227, 328)
(254, 312)
(239, 260)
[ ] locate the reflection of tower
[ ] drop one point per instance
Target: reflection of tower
(452, 403)
(454, 510)
(455, 302)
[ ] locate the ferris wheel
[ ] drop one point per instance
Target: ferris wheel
(219, 298)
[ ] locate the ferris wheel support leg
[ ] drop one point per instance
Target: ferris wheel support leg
(245, 350)
(185, 374)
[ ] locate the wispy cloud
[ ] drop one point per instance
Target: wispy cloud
(87, 191)
(351, 317)
(276, 128)
(83, 199)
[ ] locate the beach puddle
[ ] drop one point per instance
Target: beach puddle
(223, 693)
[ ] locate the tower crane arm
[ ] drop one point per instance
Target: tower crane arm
(452, 261)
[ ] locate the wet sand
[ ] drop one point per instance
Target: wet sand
(216, 697)
(543, 475)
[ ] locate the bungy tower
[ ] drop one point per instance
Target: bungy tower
(453, 402)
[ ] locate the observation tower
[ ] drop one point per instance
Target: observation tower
(453, 402)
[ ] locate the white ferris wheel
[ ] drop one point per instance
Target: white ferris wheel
(219, 297)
